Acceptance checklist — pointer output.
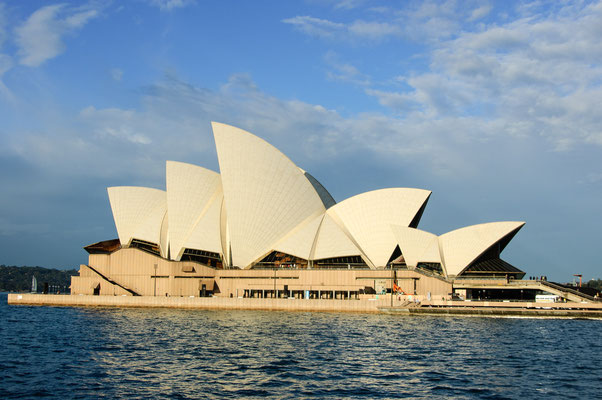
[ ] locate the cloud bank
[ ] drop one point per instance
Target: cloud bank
(40, 38)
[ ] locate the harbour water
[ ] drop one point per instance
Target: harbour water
(80, 353)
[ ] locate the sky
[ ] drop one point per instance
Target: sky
(494, 106)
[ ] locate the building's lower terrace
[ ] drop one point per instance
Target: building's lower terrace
(132, 271)
(135, 272)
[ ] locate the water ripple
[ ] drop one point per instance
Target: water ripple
(82, 353)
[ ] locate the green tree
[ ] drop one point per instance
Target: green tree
(18, 279)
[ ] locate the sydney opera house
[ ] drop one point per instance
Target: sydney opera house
(263, 227)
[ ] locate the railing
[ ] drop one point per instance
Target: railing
(541, 285)
(568, 290)
(106, 278)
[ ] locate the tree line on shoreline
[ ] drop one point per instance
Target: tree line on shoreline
(18, 279)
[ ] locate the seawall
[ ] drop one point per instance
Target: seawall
(382, 304)
(215, 303)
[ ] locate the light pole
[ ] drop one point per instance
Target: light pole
(392, 284)
(155, 291)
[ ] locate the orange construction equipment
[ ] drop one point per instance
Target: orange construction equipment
(397, 289)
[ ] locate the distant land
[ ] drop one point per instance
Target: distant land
(18, 279)
(595, 283)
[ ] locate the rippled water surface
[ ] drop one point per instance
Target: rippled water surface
(76, 353)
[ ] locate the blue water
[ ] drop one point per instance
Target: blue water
(80, 353)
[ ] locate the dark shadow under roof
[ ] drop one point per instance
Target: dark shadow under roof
(493, 265)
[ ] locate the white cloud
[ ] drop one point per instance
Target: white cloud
(372, 29)
(480, 12)
(534, 76)
(174, 123)
(40, 38)
(348, 4)
(315, 26)
(6, 63)
(357, 29)
(426, 22)
(400, 102)
(168, 5)
(345, 72)
(115, 123)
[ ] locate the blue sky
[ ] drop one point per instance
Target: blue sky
(494, 106)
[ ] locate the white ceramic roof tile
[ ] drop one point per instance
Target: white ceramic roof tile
(266, 195)
(190, 190)
(300, 241)
(206, 233)
(332, 241)
(417, 245)
(461, 247)
(224, 234)
(368, 217)
(138, 212)
(164, 238)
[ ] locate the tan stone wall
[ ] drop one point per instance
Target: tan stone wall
(135, 270)
(382, 304)
(224, 303)
(88, 280)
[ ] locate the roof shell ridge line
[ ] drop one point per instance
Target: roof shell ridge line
(240, 130)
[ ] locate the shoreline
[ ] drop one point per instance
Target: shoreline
(376, 305)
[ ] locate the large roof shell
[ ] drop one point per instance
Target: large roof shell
(262, 202)
(139, 213)
(194, 196)
(205, 235)
(463, 246)
(331, 241)
(164, 236)
(299, 242)
(368, 217)
(266, 194)
(417, 245)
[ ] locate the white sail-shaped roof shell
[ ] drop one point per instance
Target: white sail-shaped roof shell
(194, 196)
(262, 202)
(300, 241)
(139, 213)
(462, 246)
(164, 236)
(205, 234)
(266, 194)
(367, 218)
(332, 241)
(417, 245)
